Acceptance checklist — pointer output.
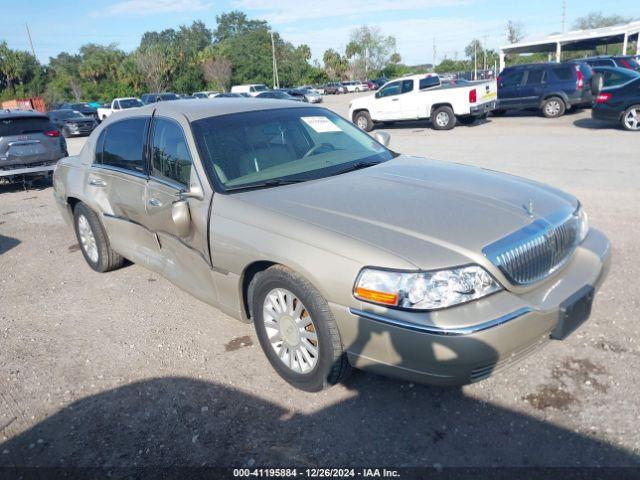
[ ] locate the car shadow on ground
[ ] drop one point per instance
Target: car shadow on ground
(7, 243)
(591, 124)
(178, 421)
(26, 183)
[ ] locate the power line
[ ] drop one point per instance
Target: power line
(30, 42)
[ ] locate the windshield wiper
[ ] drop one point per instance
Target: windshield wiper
(275, 182)
(357, 166)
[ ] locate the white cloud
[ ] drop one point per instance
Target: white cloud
(289, 11)
(151, 7)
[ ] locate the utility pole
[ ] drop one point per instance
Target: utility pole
(475, 60)
(484, 52)
(434, 53)
(564, 14)
(30, 42)
(276, 81)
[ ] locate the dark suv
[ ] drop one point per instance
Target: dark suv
(30, 144)
(621, 61)
(552, 88)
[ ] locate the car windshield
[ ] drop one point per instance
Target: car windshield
(630, 62)
(260, 88)
(62, 114)
(130, 103)
(289, 144)
(168, 96)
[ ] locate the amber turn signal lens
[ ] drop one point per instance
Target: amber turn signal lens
(378, 297)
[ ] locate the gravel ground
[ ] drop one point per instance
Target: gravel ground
(124, 369)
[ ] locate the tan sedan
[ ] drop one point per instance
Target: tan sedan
(340, 251)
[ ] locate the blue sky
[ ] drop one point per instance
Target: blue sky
(65, 25)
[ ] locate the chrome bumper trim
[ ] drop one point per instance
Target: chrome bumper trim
(441, 330)
(22, 171)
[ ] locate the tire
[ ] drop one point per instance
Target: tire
(498, 113)
(553, 107)
(286, 354)
(467, 120)
(102, 258)
(631, 118)
(363, 121)
(443, 118)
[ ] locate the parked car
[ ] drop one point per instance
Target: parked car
(148, 98)
(380, 81)
(119, 104)
(334, 88)
(230, 95)
(621, 61)
(615, 76)
(279, 95)
(355, 86)
(310, 95)
(30, 144)
(72, 123)
(620, 104)
(206, 94)
(422, 97)
(252, 89)
(84, 108)
(340, 252)
(551, 88)
(371, 85)
(292, 92)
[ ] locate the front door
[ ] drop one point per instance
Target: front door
(387, 104)
(509, 89)
(177, 211)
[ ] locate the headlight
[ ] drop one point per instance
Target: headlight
(424, 290)
(583, 224)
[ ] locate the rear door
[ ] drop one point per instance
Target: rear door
(532, 88)
(116, 184)
(177, 210)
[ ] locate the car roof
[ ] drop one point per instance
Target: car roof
(7, 113)
(210, 107)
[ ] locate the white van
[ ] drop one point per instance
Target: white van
(252, 89)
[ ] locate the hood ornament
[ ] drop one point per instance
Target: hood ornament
(528, 207)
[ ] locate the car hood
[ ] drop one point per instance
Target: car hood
(431, 214)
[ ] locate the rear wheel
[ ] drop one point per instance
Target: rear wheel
(296, 330)
(93, 240)
(553, 107)
(631, 118)
(363, 121)
(443, 118)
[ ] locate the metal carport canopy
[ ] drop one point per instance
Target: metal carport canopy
(577, 40)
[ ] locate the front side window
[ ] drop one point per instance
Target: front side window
(170, 153)
(123, 145)
(293, 144)
(513, 79)
(392, 88)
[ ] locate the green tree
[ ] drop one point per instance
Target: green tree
(597, 20)
(335, 65)
(368, 50)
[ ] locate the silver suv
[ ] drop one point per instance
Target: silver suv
(30, 144)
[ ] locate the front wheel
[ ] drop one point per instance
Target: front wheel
(553, 107)
(93, 240)
(363, 121)
(296, 330)
(631, 118)
(443, 118)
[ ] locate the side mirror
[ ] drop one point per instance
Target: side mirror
(377, 95)
(193, 192)
(181, 217)
(382, 137)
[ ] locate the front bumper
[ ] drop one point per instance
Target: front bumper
(487, 107)
(467, 343)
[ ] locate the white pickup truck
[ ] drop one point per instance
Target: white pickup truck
(119, 104)
(425, 97)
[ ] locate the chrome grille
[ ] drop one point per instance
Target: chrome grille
(537, 250)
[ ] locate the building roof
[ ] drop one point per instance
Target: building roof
(577, 39)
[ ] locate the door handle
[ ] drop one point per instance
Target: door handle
(155, 202)
(96, 182)
(395, 99)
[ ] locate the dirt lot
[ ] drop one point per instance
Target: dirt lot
(124, 369)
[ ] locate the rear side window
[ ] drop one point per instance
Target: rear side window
(407, 86)
(535, 77)
(171, 159)
(564, 73)
(428, 82)
(123, 144)
(24, 125)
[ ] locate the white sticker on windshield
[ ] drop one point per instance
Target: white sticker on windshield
(321, 124)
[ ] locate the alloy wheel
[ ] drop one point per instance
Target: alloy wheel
(291, 331)
(87, 239)
(632, 119)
